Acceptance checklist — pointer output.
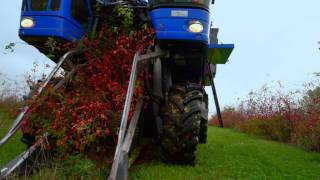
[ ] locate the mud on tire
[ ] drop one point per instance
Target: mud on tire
(204, 120)
(181, 116)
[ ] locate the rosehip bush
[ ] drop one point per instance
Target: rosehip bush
(83, 116)
(290, 117)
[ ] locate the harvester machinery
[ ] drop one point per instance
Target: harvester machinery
(182, 63)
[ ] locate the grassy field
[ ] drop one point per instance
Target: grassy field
(231, 155)
(14, 147)
(227, 155)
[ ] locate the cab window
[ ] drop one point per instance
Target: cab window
(203, 3)
(55, 5)
(39, 5)
(25, 5)
(79, 11)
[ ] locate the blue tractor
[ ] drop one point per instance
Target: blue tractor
(61, 19)
(182, 28)
(183, 31)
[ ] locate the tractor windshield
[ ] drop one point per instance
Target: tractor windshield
(25, 5)
(55, 5)
(180, 3)
(41, 5)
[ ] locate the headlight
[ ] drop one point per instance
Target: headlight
(27, 23)
(195, 27)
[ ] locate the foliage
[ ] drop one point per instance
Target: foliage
(11, 93)
(83, 116)
(10, 47)
(127, 15)
(279, 115)
(53, 46)
(311, 100)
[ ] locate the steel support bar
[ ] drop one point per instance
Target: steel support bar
(14, 127)
(68, 76)
(215, 97)
(17, 123)
(132, 127)
(124, 153)
(14, 164)
(124, 120)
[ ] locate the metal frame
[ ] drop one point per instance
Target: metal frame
(19, 160)
(17, 123)
(215, 97)
(119, 169)
(120, 164)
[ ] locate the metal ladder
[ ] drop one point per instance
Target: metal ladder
(20, 159)
(119, 169)
(120, 164)
(17, 123)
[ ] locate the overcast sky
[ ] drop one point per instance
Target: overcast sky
(274, 40)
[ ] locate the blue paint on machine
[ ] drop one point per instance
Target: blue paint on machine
(63, 19)
(174, 23)
(72, 19)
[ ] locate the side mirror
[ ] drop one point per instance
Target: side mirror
(212, 2)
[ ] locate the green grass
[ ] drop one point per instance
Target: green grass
(231, 155)
(14, 147)
(227, 155)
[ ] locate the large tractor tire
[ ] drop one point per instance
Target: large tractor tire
(204, 120)
(181, 116)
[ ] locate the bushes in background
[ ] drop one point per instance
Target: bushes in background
(10, 96)
(290, 117)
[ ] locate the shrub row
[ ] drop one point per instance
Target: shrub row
(290, 117)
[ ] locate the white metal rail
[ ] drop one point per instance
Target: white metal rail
(17, 123)
(119, 169)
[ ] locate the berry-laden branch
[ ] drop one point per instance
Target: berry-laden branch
(83, 116)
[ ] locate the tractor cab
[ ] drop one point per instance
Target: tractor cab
(186, 20)
(182, 28)
(63, 20)
(202, 4)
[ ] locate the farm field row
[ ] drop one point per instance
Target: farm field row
(227, 155)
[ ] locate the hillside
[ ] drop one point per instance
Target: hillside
(14, 147)
(231, 155)
(227, 155)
